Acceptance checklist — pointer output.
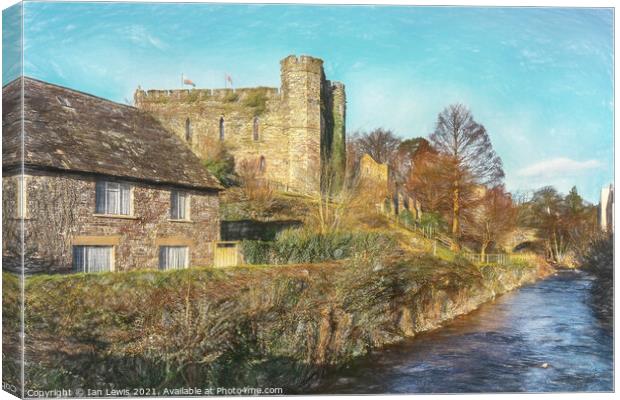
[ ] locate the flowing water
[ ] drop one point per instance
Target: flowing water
(541, 338)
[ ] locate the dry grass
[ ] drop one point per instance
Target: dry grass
(256, 326)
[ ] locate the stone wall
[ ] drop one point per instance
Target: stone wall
(292, 129)
(249, 229)
(61, 213)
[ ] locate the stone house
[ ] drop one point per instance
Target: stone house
(99, 186)
(293, 134)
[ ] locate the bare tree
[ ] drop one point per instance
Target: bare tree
(381, 144)
(472, 160)
(430, 183)
(494, 218)
(255, 186)
(354, 154)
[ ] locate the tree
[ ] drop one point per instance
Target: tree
(406, 153)
(354, 153)
(545, 212)
(472, 160)
(580, 222)
(429, 181)
(381, 144)
(567, 225)
(256, 187)
(494, 218)
(334, 203)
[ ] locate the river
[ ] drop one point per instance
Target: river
(542, 337)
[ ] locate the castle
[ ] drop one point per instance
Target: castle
(294, 134)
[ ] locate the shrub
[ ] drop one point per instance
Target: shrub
(231, 97)
(220, 163)
(223, 170)
(193, 96)
(406, 217)
(431, 220)
(295, 246)
(599, 261)
(256, 251)
(256, 99)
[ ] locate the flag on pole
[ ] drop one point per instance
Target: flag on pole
(186, 81)
(229, 80)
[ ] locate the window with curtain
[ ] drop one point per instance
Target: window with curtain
(92, 258)
(173, 257)
(113, 198)
(179, 205)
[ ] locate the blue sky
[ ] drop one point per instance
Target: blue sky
(539, 79)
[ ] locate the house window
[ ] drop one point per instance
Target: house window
(113, 198)
(179, 205)
(92, 258)
(255, 129)
(173, 257)
(188, 130)
(262, 164)
(221, 128)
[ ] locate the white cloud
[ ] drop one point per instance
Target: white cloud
(140, 36)
(558, 167)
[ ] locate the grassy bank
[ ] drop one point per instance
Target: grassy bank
(256, 326)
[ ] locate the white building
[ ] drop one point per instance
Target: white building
(606, 209)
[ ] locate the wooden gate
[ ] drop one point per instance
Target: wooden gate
(226, 254)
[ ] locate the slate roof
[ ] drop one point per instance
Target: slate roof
(73, 131)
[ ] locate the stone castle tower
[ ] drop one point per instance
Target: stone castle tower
(295, 135)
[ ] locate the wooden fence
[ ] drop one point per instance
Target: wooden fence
(501, 259)
(444, 241)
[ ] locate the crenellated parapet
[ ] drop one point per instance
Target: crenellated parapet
(197, 95)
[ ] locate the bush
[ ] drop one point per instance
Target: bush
(599, 261)
(256, 99)
(431, 220)
(406, 217)
(231, 97)
(222, 169)
(296, 246)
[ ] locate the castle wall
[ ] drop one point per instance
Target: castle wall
(205, 108)
(292, 122)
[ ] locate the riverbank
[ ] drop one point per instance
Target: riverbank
(252, 326)
(502, 346)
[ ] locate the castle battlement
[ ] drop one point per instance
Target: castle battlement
(301, 60)
(193, 95)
